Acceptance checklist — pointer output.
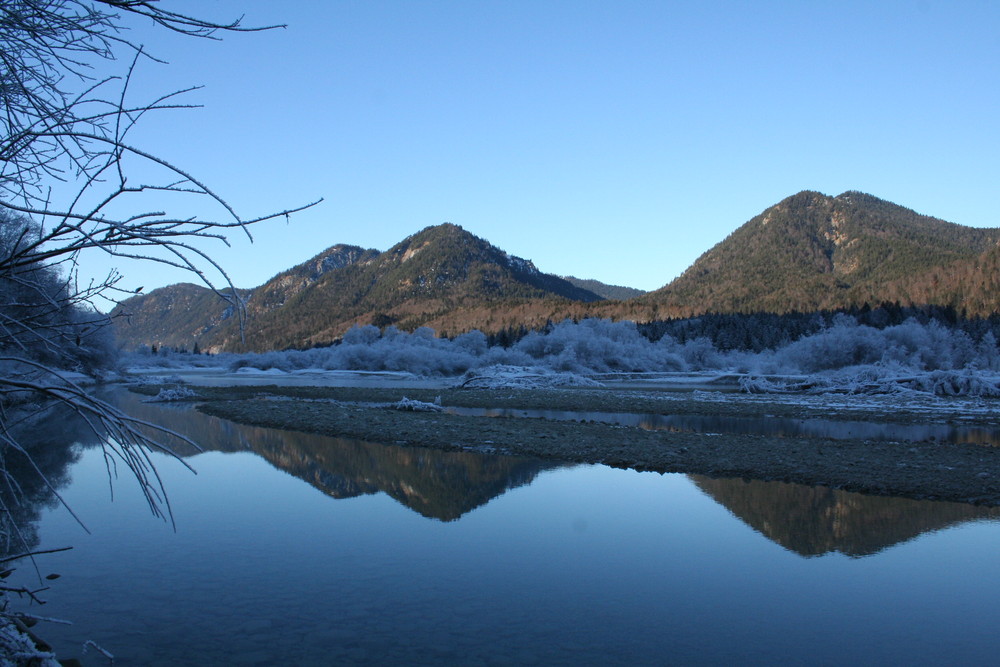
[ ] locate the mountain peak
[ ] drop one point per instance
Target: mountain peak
(429, 278)
(808, 252)
(441, 231)
(811, 251)
(446, 258)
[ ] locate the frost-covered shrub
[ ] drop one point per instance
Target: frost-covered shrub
(266, 361)
(179, 393)
(911, 344)
(365, 335)
(839, 346)
(426, 360)
(366, 349)
(521, 377)
(957, 383)
(600, 346)
(988, 353)
(700, 354)
(473, 342)
(144, 358)
(931, 345)
(670, 353)
(502, 356)
(354, 357)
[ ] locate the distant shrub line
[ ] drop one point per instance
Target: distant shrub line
(831, 342)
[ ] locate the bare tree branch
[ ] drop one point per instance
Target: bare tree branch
(67, 191)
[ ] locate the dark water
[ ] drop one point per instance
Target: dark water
(779, 427)
(298, 549)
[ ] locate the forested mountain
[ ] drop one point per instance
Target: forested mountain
(970, 286)
(178, 315)
(806, 254)
(428, 278)
(436, 484)
(812, 252)
(816, 520)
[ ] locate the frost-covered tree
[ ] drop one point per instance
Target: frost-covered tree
(42, 317)
(844, 356)
(68, 190)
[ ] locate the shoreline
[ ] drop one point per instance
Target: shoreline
(923, 469)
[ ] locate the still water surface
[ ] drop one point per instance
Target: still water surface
(298, 549)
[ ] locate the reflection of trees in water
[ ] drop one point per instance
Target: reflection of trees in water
(445, 485)
(437, 484)
(51, 438)
(812, 521)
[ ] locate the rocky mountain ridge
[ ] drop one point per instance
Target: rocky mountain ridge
(437, 271)
(806, 253)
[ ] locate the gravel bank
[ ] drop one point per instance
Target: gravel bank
(918, 469)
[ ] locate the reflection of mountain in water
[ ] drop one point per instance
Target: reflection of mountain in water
(437, 484)
(816, 520)
(30, 486)
(445, 485)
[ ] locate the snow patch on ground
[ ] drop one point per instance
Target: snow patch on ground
(166, 395)
(332, 373)
(410, 405)
(307, 377)
(912, 402)
(18, 648)
(875, 380)
(147, 378)
(249, 370)
(521, 377)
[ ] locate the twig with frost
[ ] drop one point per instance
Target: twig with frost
(90, 643)
(130, 439)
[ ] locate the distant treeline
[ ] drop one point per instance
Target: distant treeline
(756, 332)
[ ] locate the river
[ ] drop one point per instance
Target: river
(292, 548)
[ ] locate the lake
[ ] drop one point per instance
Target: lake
(292, 548)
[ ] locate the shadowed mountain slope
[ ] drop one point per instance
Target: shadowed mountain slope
(605, 291)
(178, 315)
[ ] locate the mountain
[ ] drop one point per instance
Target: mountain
(178, 315)
(811, 252)
(816, 520)
(605, 291)
(971, 286)
(440, 277)
(442, 485)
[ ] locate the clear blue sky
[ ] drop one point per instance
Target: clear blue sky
(614, 140)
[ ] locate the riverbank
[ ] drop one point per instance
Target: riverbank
(923, 469)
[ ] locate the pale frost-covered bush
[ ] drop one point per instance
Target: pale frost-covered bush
(844, 357)
(601, 346)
